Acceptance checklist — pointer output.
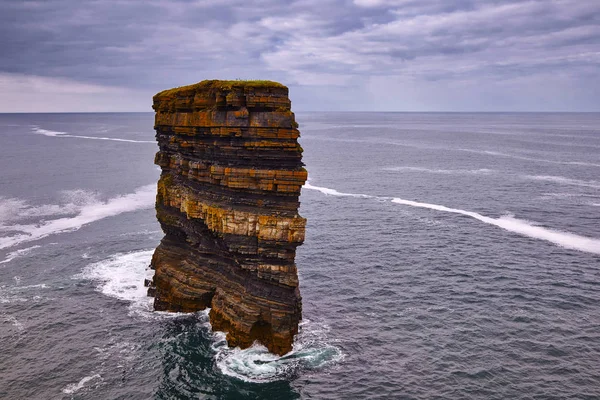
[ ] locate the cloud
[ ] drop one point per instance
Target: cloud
(478, 40)
(18, 83)
(46, 94)
(416, 45)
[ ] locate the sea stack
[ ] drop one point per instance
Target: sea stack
(227, 202)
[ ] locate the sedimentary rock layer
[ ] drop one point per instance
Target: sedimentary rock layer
(228, 204)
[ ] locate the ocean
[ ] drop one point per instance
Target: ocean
(447, 256)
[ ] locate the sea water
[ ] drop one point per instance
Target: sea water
(447, 256)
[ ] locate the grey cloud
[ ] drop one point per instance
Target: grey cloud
(487, 36)
(343, 44)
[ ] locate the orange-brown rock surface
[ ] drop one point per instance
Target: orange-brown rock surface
(228, 204)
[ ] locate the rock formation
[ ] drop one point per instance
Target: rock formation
(228, 204)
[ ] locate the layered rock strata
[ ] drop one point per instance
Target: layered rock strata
(228, 204)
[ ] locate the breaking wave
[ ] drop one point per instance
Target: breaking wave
(18, 253)
(21, 294)
(12, 209)
(334, 192)
(121, 276)
(81, 209)
(74, 387)
(522, 227)
(312, 350)
(49, 133)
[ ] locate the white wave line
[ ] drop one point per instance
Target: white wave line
(564, 181)
(333, 192)
(142, 198)
(498, 154)
(74, 387)
(49, 133)
(522, 227)
(437, 148)
(481, 171)
(18, 253)
(112, 139)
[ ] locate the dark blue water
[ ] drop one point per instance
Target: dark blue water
(447, 256)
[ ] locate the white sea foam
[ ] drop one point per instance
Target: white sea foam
(19, 294)
(10, 207)
(111, 139)
(564, 181)
(568, 195)
(46, 132)
(36, 286)
(7, 298)
(19, 253)
(311, 350)
(147, 232)
(582, 163)
(481, 171)
(17, 324)
(369, 141)
(86, 212)
(569, 144)
(441, 148)
(521, 227)
(543, 160)
(516, 157)
(525, 228)
(333, 192)
(74, 387)
(72, 201)
(122, 276)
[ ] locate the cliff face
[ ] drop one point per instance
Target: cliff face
(228, 204)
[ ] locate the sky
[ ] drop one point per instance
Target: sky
(334, 55)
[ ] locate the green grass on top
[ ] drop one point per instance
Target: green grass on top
(222, 85)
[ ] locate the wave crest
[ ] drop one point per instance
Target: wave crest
(522, 227)
(121, 276)
(45, 132)
(86, 209)
(312, 350)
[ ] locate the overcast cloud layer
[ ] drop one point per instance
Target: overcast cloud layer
(389, 55)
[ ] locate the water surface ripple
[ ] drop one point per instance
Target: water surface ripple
(447, 256)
